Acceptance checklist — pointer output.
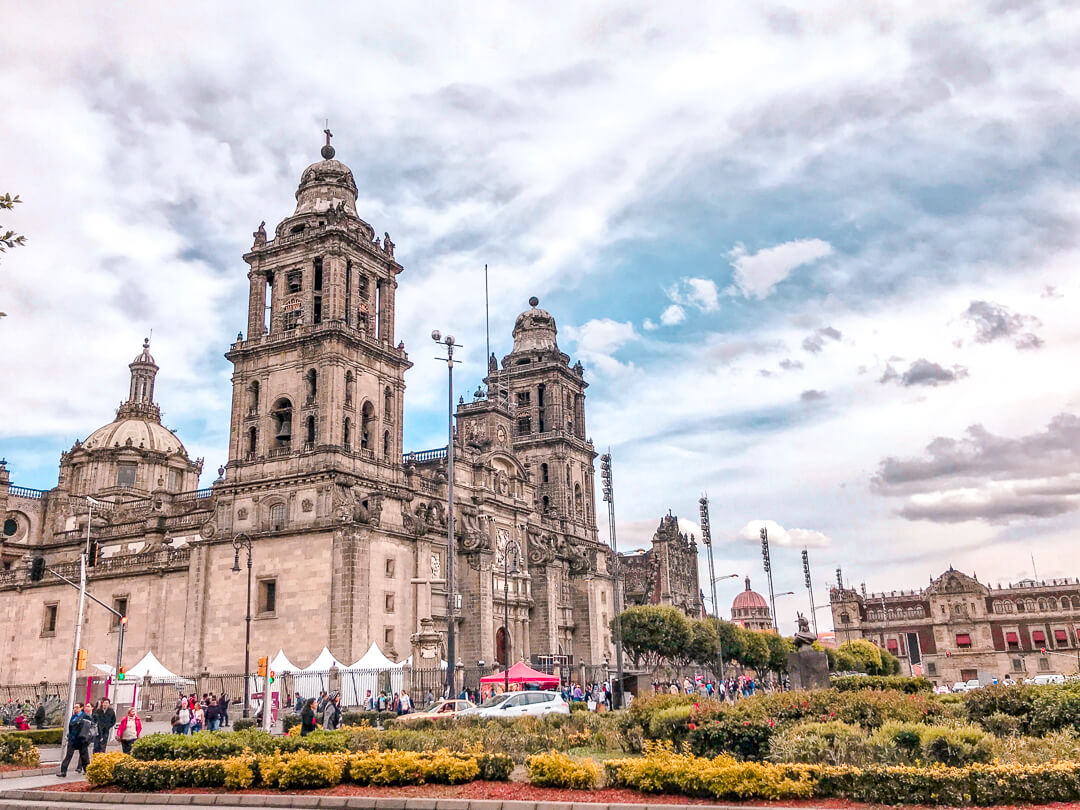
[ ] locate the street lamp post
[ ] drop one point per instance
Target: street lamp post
(449, 342)
(244, 541)
(616, 574)
(712, 582)
(506, 608)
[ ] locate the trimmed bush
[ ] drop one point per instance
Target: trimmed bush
(743, 735)
(834, 743)
(100, 769)
(899, 683)
(243, 724)
(555, 769)
(16, 750)
(137, 775)
(43, 736)
(360, 718)
(239, 773)
(495, 767)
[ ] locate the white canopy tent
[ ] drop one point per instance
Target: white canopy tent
(281, 663)
(150, 668)
(315, 677)
(372, 672)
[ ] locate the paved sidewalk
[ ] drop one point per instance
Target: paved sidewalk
(52, 777)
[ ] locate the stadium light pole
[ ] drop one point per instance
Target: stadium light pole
(451, 608)
(767, 563)
(616, 573)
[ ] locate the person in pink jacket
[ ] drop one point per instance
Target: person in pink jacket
(129, 730)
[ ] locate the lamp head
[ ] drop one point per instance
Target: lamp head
(436, 335)
(236, 562)
(449, 340)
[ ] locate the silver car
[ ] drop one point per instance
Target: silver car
(520, 704)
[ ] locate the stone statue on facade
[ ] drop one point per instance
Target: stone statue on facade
(260, 235)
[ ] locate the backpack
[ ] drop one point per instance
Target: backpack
(87, 730)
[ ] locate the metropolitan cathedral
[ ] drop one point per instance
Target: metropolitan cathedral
(347, 529)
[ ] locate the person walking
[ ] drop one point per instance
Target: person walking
(211, 713)
(105, 719)
(406, 703)
(223, 709)
(80, 734)
(198, 719)
(183, 716)
(129, 730)
(39, 715)
(331, 713)
(307, 717)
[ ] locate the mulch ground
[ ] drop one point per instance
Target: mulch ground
(513, 791)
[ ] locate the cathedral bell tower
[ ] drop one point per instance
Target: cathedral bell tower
(318, 382)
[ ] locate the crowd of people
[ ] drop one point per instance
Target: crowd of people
(729, 689)
(193, 715)
(90, 727)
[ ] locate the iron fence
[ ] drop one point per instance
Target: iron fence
(33, 692)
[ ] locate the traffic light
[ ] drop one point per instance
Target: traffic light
(123, 620)
(37, 569)
(271, 677)
(121, 673)
(80, 660)
(92, 554)
(262, 666)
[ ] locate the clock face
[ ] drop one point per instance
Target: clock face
(501, 433)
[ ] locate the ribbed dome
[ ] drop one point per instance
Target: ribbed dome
(144, 433)
(144, 356)
(535, 329)
(749, 600)
(325, 184)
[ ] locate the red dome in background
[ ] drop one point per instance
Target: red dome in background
(749, 600)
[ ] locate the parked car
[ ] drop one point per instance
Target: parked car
(974, 683)
(960, 686)
(941, 690)
(1043, 680)
(521, 704)
(442, 710)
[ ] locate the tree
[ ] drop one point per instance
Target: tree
(779, 647)
(890, 664)
(652, 634)
(755, 650)
(703, 643)
(859, 655)
(730, 640)
(9, 239)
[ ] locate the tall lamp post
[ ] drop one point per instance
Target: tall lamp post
(616, 574)
(449, 342)
(507, 571)
(713, 581)
(706, 538)
(809, 587)
(244, 541)
(767, 563)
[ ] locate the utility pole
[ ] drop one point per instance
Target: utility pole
(767, 562)
(451, 549)
(616, 575)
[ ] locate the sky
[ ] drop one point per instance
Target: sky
(818, 263)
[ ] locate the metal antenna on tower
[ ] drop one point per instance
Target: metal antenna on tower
(706, 538)
(767, 562)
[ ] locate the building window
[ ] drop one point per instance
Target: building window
(277, 517)
(175, 480)
(388, 602)
(310, 438)
(603, 598)
(523, 398)
(347, 436)
(48, 620)
(963, 641)
(267, 596)
(253, 440)
(845, 618)
(931, 668)
(388, 638)
(120, 605)
(282, 416)
(386, 443)
(389, 568)
(293, 317)
(524, 426)
(1018, 664)
(367, 416)
(295, 281)
(10, 527)
(388, 405)
(311, 384)
(125, 474)
(349, 385)
(543, 473)
(1044, 665)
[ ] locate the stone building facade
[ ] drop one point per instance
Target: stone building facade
(750, 610)
(348, 529)
(666, 573)
(958, 628)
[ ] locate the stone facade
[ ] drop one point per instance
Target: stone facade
(750, 610)
(667, 573)
(958, 628)
(348, 529)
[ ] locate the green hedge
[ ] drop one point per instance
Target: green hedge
(44, 736)
(724, 778)
(224, 744)
(18, 750)
(900, 683)
(347, 719)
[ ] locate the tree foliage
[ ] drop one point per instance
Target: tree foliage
(9, 239)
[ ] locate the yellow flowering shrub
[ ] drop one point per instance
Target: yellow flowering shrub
(100, 769)
(555, 769)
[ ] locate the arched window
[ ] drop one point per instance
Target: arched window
(347, 437)
(312, 381)
(544, 473)
(502, 647)
(253, 439)
(1010, 607)
(386, 444)
(277, 517)
(545, 503)
(282, 418)
(350, 383)
(310, 438)
(253, 397)
(998, 608)
(568, 475)
(367, 416)
(388, 404)
(579, 501)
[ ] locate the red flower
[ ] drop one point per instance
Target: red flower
(691, 727)
(746, 722)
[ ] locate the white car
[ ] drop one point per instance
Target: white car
(960, 686)
(520, 704)
(1043, 680)
(974, 683)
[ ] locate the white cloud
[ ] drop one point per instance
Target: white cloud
(597, 342)
(672, 315)
(757, 274)
(649, 325)
(703, 294)
(779, 536)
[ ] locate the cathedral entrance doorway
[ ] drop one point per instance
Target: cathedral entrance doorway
(502, 647)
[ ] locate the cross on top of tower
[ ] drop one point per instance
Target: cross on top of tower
(327, 150)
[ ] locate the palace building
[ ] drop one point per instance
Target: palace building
(348, 528)
(959, 629)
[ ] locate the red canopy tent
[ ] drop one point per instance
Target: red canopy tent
(521, 673)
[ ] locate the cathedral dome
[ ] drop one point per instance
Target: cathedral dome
(325, 184)
(749, 600)
(534, 329)
(135, 432)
